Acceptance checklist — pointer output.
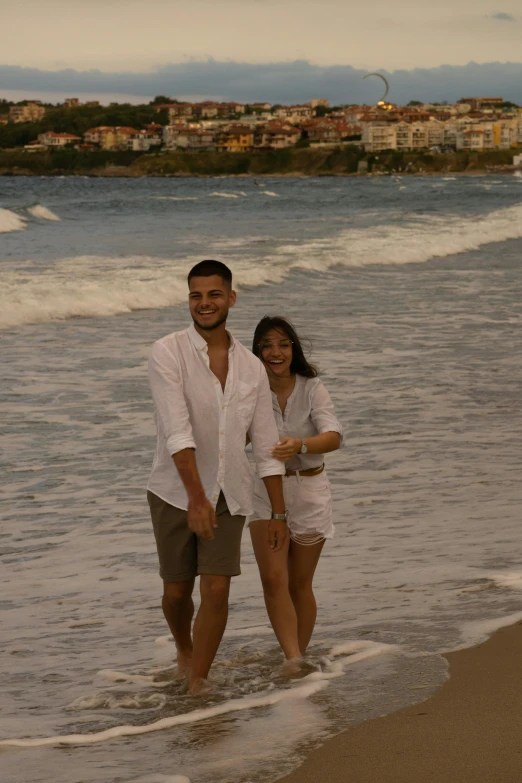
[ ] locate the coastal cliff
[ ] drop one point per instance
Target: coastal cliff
(307, 161)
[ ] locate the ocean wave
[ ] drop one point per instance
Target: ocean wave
(41, 212)
(175, 198)
(93, 286)
(227, 195)
(114, 701)
(508, 579)
(415, 242)
(11, 221)
(477, 631)
(90, 286)
(352, 653)
(16, 219)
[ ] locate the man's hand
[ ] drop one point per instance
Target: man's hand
(286, 448)
(201, 518)
(277, 533)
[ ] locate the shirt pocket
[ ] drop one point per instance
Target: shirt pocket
(246, 396)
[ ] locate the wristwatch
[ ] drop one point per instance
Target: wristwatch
(304, 447)
(279, 516)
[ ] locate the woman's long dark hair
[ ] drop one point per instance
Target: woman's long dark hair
(300, 364)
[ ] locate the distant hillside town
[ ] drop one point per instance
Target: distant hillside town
(473, 124)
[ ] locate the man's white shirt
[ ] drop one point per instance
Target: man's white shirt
(191, 410)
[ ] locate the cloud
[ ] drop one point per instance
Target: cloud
(278, 82)
(503, 17)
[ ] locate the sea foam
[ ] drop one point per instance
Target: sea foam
(308, 686)
(93, 286)
(10, 221)
(42, 213)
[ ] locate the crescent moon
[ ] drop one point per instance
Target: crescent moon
(385, 82)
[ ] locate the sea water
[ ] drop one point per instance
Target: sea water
(408, 292)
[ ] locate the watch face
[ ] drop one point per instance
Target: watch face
(304, 448)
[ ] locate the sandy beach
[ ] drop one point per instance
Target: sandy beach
(467, 732)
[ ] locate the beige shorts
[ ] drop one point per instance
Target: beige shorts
(182, 555)
(308, 501)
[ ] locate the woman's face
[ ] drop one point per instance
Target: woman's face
(275, 350)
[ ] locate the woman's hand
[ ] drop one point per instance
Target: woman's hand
(286, 448)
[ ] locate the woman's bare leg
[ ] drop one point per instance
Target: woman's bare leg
(302, 562)
(273, 568)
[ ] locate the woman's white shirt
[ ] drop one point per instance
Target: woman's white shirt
(309, 411)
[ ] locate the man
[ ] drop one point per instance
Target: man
(209, 394)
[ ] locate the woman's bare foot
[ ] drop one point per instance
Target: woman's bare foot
(292, 667)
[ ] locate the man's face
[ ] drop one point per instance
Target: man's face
(210, 299)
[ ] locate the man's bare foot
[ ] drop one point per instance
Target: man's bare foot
(184, 661)
(199, 687)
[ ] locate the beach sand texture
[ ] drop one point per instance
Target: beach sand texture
(467, 732)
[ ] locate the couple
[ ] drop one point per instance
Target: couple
(211, 396)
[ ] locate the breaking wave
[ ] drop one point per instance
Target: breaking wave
(16, 219)
(93, 286)
(10, 221)
(340, 657)
(42, 213)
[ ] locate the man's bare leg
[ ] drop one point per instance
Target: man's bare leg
(178, 608)
(209, 628)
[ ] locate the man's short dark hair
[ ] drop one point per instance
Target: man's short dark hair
(208, 268)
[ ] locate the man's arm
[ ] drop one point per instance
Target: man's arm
(263, 434)
(277, 528)
(169, 401)
(173, 418)
(200, 512)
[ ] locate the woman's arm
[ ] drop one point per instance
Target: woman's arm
(322, 414)
(317, 444)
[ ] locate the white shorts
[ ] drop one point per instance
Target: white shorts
(308, 501)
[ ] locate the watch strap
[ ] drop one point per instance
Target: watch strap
(279, 516)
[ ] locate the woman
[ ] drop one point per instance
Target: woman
(308, 429)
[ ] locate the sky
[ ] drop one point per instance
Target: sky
(136, 37)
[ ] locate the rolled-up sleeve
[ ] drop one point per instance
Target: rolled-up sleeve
(263, 431)
(169, 401)
(322, 412)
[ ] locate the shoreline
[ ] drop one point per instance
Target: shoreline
(120, 174)
(466, 732)
(340, 161)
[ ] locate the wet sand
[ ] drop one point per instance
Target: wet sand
(469, 731)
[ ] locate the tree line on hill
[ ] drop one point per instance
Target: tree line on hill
(78, 119)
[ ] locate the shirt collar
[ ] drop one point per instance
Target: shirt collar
(196, 338)
(201, 344)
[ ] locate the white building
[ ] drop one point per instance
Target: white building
(31, 112)
(295, 113)
(52, 140)
(187, 138)
(379, 135)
